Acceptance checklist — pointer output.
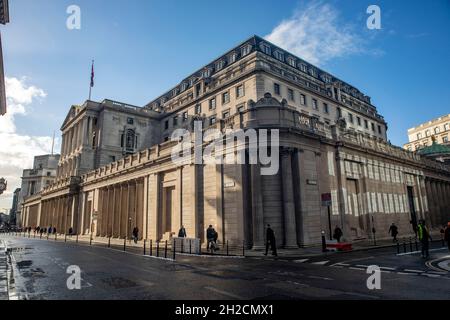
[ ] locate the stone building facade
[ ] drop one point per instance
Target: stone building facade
(36, 179)
(331, 140)
(425, 134)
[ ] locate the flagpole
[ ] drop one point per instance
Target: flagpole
(91, 82)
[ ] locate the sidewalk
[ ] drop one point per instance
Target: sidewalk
(316, 251)
(3, 273)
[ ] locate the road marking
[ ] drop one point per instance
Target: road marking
(321, 278)
(321, 263)
(362, 266)
(225, 293)
(301, 260)
(414, 252)
(431, 275)
(388, 268)
(412, 270)
(407, 273)
(355, 268)
(385, 271)
(341, 264)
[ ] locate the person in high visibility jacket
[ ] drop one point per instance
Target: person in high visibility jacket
(424, 237)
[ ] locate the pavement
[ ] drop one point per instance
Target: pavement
(3, 272)
(40, 271)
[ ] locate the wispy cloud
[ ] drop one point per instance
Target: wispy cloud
(316, 33)
(17, 150)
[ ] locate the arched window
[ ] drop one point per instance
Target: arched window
(130, 139)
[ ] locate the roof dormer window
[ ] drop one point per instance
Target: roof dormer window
(245, 50)
(219, 65)
(266, 49)
(206, 73)
(232, 57)
(291, 62)
(279, 55)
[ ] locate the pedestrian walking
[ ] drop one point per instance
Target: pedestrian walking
(414, 227)
(270, 241)
(447, 235)
(182, 232)
(337, 234)
(393, 230)
(54, 230)
(424, 237)
(135, 234)
(211, 238)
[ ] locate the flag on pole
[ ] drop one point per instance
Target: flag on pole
(92, 74)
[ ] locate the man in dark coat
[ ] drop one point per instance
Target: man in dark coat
(447, 235)
(337, 234)
(135, 234)
(211, 235)
(270, 240)
(393, 230)
(182, 232)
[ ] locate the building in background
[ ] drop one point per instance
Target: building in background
(4, 19)
(13, 212)
(422, 136)
(116, 171)
(36, 179)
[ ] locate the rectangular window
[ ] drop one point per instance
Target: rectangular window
(314, 104)
(212, 104)
(212, 120)
(379, 129)
(185, 116)
(240, 108)
(373, 126)
(358, 120)
(266, 49)
(276, 89)
(240, 91)
(130, 120)
(225, 114)
(197, 89)
(325, 108)
(366, 124)
(175, 120)
(112, 158)
(339, 112)
(445, 139)
(198, 109)
(225, 97)
(350, 118)
(291, 94)
(303, 99)
(166, 124)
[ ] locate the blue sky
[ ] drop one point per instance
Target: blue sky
(143, 47)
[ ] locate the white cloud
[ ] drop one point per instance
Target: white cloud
(316, 33)
(17, 150)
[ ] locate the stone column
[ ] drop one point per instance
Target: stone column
(290, 228)
(257, 207)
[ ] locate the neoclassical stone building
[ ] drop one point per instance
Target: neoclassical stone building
(116, 170)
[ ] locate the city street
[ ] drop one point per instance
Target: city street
(39, 272)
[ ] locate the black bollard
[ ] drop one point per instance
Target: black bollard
(398, 247)
(109, 242)
(77, 238)
(165, 250)
(174, 249)
(243, 248)
(417, 247)
(190, 246)
(227, 248)
(125, 244)
(65, 237)
(324, 242)
(144, 247)
(90, 240)
(151, 247)
(404, 246)
(157, 248)
(410, 245)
